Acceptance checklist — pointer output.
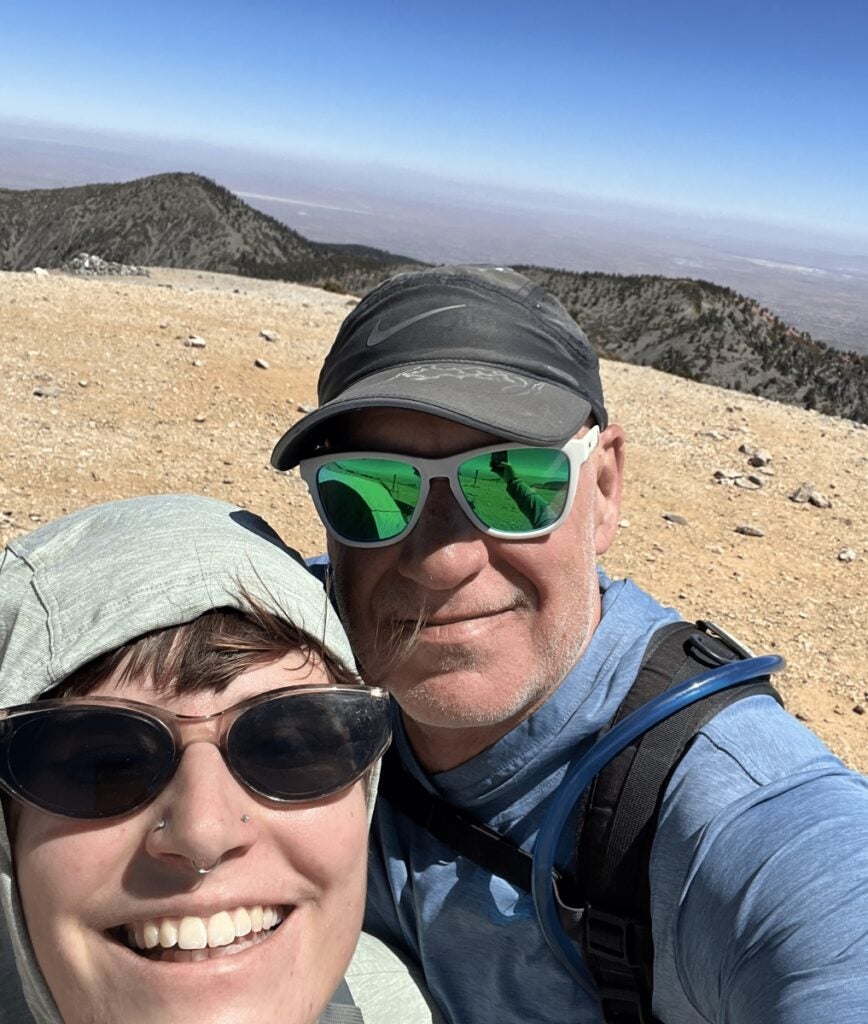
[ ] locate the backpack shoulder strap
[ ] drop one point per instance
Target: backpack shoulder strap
(468, 837)
(620, 819)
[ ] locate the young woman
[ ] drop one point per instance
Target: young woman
(187, 767)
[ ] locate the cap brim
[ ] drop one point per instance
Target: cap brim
(513, 406)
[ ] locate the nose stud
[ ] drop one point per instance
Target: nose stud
(245, 818)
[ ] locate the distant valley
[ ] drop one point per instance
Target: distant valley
(818, 286)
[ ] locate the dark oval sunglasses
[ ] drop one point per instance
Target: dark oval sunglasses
(104, 757)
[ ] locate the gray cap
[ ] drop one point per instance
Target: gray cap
(96, 579)
(483, 346)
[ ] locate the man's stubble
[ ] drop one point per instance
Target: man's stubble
(384, 650)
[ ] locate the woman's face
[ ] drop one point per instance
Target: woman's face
(93, 893)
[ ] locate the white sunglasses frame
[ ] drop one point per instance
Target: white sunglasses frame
(577, 450)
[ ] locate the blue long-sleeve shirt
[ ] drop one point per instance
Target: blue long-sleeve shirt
(759, 870)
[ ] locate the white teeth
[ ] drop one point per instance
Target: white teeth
(192, 933)
(196, 933)
(241, 920)
(221, 930)
(168, 932)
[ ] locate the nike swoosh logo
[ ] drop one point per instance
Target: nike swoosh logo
(376, 335)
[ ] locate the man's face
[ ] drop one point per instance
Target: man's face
(500, 622)
(97, 895)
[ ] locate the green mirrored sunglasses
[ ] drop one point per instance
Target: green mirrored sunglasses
(513, 491)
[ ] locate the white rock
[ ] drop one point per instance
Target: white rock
(802, 494)
(759, 457)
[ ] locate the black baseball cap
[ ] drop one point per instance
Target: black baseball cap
(483, 346)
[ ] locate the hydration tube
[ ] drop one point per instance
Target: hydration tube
(580, 775)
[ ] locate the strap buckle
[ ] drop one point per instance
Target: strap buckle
(719, 633)
(624, 1006)
(615, 939)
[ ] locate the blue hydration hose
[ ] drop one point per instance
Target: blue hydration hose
(581, 774)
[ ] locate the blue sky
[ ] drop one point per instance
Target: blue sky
(756, 109)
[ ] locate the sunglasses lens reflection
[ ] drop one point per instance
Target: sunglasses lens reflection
(517, 490)
(368, 500)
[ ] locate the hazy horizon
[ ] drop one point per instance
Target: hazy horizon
(815, 280)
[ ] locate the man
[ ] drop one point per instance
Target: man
(507, 651)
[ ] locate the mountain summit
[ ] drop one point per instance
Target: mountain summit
(167, 220)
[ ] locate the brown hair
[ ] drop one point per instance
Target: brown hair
(205, 654)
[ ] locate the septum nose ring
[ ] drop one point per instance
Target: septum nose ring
(204, 871)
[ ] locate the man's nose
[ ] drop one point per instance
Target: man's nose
(204, 816)
(444, 548)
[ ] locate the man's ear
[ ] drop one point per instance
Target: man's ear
(609, 462)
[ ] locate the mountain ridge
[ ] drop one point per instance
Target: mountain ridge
(688, 327)
(172, 220)
(710, 333)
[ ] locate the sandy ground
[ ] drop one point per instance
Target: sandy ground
(127, 408)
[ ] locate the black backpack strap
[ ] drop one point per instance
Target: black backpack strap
(620, 818)
(478, 842)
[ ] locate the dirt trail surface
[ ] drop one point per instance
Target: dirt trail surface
(102, 397)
